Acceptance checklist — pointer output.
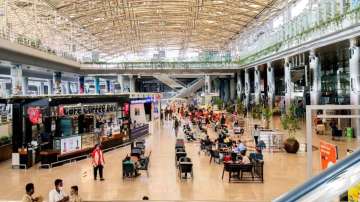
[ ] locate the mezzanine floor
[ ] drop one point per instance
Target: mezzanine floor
(282, 172)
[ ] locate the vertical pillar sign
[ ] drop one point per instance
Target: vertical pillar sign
(57, 82)
(25, 82)
(120, 80)
(270, 85)
(16, 79)
(257, 85)
(316, 78)
(288, 84)
(97, 85)
(108, 86)
(354, 66)
(247, 89)
(50, 87)
(81, 85)
(239, 87)
(207, 84)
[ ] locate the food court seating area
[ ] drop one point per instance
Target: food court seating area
(139, 162)
(182, 162)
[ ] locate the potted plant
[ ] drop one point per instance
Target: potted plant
(219, 103)
(267, 114)
(290, 122)
(256, 111)
(239, 106)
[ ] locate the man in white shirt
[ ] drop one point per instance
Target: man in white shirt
(57, 194)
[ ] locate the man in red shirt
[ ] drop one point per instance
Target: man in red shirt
(98, 161)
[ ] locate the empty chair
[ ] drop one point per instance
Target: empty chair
(185, 168)
(144, 164)
(178, 155)
(248, 168)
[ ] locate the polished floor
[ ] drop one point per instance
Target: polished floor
(282, 172)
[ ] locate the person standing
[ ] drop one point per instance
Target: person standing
(30, 190)
(57, 194)
(74, 194)
(98, 161)
(256, 134)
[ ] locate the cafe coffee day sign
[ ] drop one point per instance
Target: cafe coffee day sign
(328, 154)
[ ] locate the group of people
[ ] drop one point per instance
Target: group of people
(55, 195)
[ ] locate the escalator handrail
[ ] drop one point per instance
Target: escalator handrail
(329, 174)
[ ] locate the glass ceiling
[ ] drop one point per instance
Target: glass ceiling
(125, 30)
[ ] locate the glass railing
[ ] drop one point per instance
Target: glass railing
(313, 23)
(329, 185)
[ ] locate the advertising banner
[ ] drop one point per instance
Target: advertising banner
(70, 144)
(328, 154)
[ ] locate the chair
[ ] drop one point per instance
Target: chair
(144, 164)
(231, 168)
(128, 170)
(248, 168)
(178, 155)
(136, 152)
(214, 155)
(180, 150)
(186, 167)
(184, 159)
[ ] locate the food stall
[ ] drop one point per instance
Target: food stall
(56, 129)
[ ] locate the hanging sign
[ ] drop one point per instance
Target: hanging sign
(34, 115)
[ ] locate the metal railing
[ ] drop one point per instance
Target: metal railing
(329, 184)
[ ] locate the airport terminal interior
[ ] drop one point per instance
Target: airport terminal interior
(179, 100)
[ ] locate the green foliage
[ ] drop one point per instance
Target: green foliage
(5, 140)
(219, 102)
(267, 113)
(290, 121)
(256, 111)
(240, 106)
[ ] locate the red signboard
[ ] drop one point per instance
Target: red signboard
(34, 115)
(328, 154)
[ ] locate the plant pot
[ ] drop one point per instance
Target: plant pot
(291, 145)
(266, 124)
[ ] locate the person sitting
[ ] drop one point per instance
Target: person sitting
(236, 124)
(257, 155)
(74, 194)
(129, 161)
(30, 190)
(245, 159)
(241, 147)
(336, 133)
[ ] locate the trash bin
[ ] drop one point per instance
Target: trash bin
(349, 132)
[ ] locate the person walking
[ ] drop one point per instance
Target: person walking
(98, 161)
(176, 126)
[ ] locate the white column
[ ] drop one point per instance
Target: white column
(57, 83)
(315, 67)
(257, 89)
(16, 79)
(25, 82)
(120, 80)
(288, 83)
(270, 84)
(131, 83)
(68, 87)
(50, 87)
(239, 87)
(41, 88)
(354, 83)
(247, 88)
(3, 89)
(207, 84)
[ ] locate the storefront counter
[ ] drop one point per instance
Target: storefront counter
(273, 139)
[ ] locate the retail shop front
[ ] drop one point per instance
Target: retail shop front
(54, 130)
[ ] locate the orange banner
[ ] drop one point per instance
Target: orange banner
(328, 154)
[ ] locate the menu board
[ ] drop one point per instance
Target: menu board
(70, 144)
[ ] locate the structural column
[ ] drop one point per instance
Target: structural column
(315, 67)
(42, 88)
(97, 85)
(239, 87)
(120, 80)
(207, 84)
(25, 82)
(257, 89)
(3, 89)
(50, 87)
(354, 83)
(68, 87)
(131, 83)
(57, 83)
(81, 85)
(270, 85)
(108, 86)
(16, 79)
(247, 89)
(232, 88)
(288, 83)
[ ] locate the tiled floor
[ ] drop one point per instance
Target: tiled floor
(282, 172)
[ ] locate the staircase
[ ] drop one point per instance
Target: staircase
(190, 88)
(172, 83)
